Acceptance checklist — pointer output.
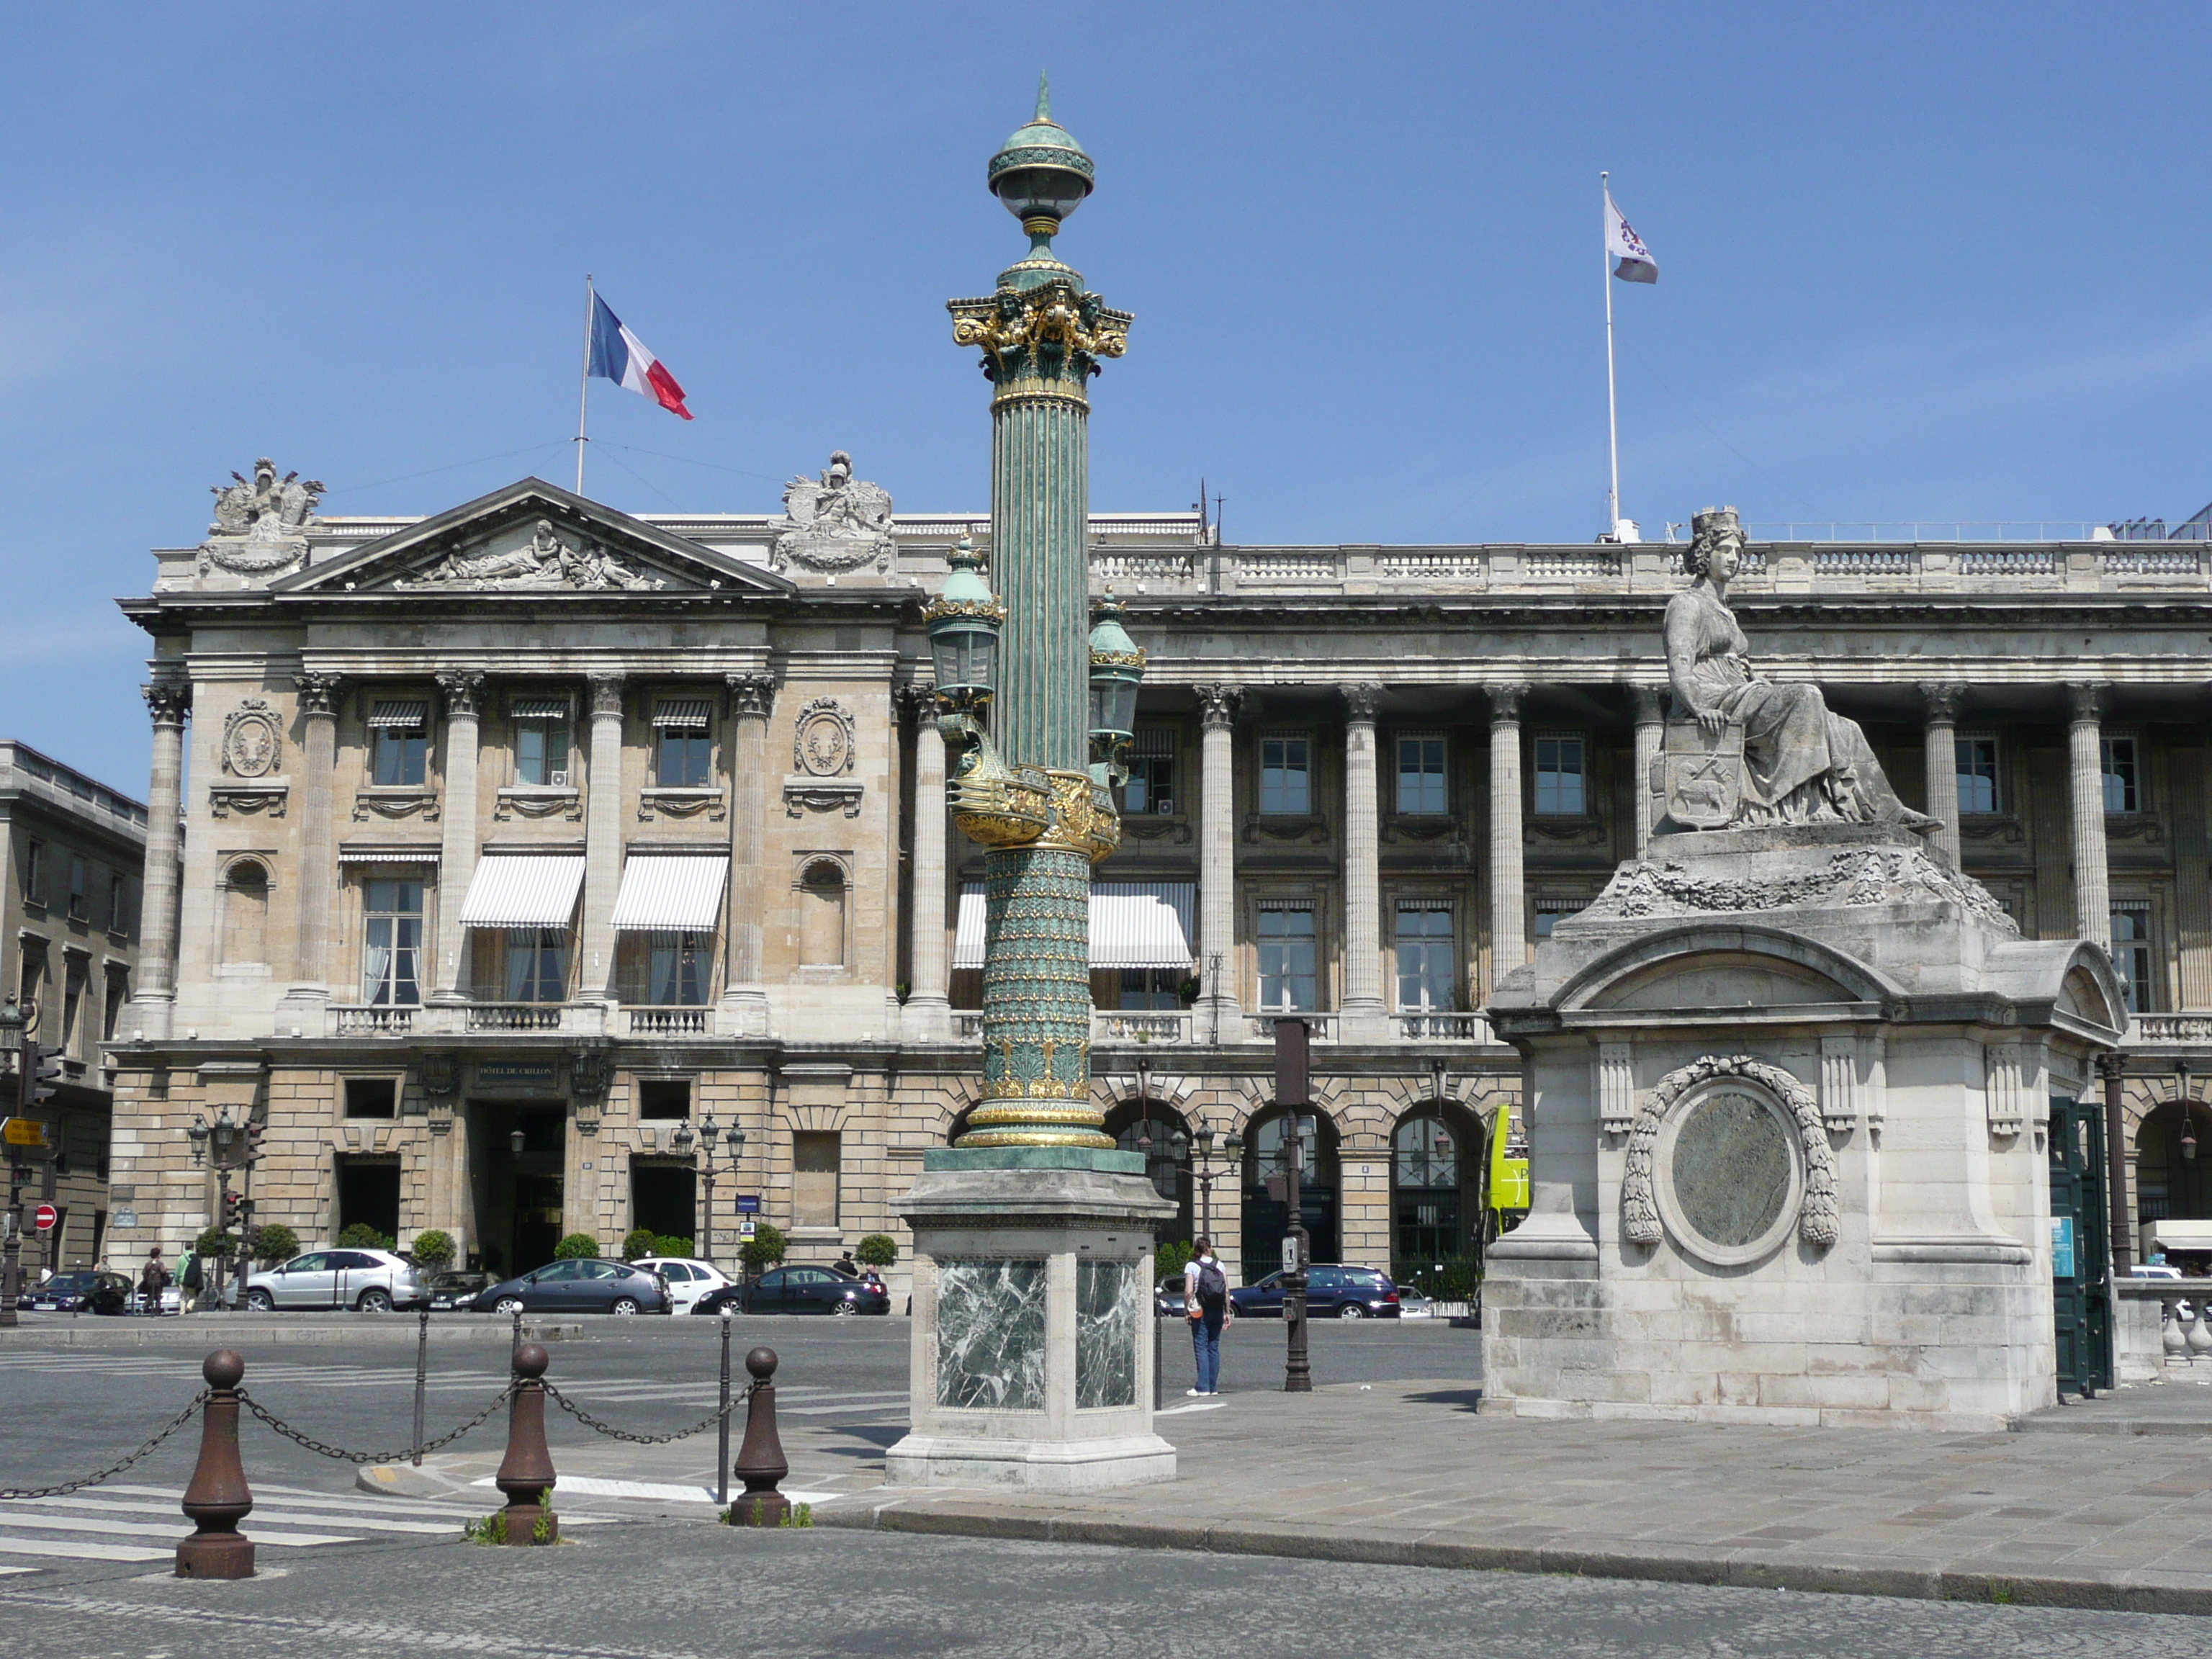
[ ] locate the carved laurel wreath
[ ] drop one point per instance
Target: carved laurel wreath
(1817, 1219)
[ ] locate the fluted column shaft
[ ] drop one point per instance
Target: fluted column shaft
(1943, 702)
(927, 1002)
(1222, 1009)
(1363, 1008)
(319, 874)
(743, 995)
(1509, 933)
(168, 702)
(1649, 730)
(457, 851)
(603, 815)
(2092, 897)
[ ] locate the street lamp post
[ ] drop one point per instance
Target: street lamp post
(1291, 1096)
(733, 1140)
(12, 1022)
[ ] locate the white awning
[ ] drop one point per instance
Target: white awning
(670, 893)
(358, 854)
(687, 713)
(406, 714)
(524, 890)
(1133, 924)
(536, 707)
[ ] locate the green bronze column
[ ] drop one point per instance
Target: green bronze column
(1027, 792)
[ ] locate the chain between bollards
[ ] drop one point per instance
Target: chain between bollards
(761, 1462)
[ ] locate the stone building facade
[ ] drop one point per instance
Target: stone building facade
(519, 834)
(70, 905)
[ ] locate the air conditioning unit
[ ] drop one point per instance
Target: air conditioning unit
(557, 780)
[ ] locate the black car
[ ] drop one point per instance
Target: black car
(799, 1291)
(456, 1288)
(1333, 1292)
(584, 1285)
(85, 1292)
(1168, 1297)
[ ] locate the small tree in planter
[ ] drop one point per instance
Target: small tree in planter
(575, 1245)
(762, 1251)
(362, 1236)
(433, 1249)
(877, 1250)
(640, 1242)
(671, 1244)
(278, 1242)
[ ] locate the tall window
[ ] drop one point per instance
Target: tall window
(1286, 960)
(2131, 955)
(1978, 775)
(399, 741)
(117, 899)
(392, 941)
(1559, 790)
(822, 916)
(537, 965)
(2123, 779)
(678, 966)
(680, 742)
(1286, 775)
(1427, 976)
(79, 878)
(541, 740)
(1152, 771)
(1152, 988)
(1550, 911)
(74, 975)
(34, 871)
(246, 913)
(1423, 786)
(815, 1156)
(1425, 1170)
(119, 996)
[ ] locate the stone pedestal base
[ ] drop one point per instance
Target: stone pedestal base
(1032, 1368)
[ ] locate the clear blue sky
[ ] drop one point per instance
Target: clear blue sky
(1916, 262)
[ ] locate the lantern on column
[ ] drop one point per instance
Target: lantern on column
(1117, 667)
(964, 622)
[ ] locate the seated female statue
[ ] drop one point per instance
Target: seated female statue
(1802, 762)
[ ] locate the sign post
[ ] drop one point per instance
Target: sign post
(1291, 1098)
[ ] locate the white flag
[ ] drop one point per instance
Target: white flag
(1623, 244)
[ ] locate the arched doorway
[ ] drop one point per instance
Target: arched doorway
(2171, 1185)
(1436, 1192)
(1132, 1126)
(1266, 1207)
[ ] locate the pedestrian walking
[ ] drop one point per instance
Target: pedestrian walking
(846, 1266)
(1206, 1303)
(153, 1279)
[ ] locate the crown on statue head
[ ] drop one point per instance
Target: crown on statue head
(1713, 520)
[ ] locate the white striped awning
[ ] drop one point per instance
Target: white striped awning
(1133, 924)
(670, 893)
(689, 714)
(524, 890)
(407, 713)
(535, 708)
(359, 854)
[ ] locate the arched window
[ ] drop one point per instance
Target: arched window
(822, 916)
(246, 913)
(1434, 1159)
(1132, 1124)
(2171, 1186)
(1267, 1200)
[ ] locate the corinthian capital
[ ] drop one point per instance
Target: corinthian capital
(1643, 701)
(1943, 700)
(2085, 702)
(1360, 702)
(606, 695)
(1218, 706)
(168, 700)
(1505, 701)
(752, 695)
(463, 688)
(317, 693)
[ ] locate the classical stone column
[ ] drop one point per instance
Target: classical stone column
(744, 999)
(2113, 1072)
(603, 819)
(1509, 934)
(1363, 1016)
(1943, 702)
(317, 697)
(457, 852)
(1650, 728)
(1220, 1010)
(927, 1014)
(155, 998)
(2092, 898)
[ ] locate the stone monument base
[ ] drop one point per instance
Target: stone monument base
(1032, 1288)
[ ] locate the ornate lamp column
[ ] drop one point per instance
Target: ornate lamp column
(1032, 1234)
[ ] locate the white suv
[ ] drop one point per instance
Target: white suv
(372, 1281)
(688, 1278)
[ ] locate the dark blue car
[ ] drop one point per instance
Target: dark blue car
(1333, 1292)
(586, 1285)
(799, 1291)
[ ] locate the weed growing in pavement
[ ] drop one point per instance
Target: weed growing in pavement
(800, 1515)
(492, 1529)
(2001, 1592)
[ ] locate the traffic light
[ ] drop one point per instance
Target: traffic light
(251, 1155)
(41, 1074)
(229, 1216)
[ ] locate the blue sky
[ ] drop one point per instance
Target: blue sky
(1918, 262)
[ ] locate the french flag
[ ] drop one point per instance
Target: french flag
(619, 355)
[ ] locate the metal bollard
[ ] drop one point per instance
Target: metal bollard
(722, 1429)
(218, 1499)
(761, 1462)
(421, 1381)
(526, 1474)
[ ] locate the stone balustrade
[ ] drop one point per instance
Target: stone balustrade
(1140, 1026)
(669, 1022)
(2163, 1330)
(364, 1019)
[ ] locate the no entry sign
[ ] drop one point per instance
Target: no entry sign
(43, 1218)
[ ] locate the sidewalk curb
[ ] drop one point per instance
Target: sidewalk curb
(271, 1330)
(1736, 1570)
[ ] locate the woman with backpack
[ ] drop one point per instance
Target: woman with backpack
(1206, 1302)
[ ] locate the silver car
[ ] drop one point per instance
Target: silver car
(372, 1281)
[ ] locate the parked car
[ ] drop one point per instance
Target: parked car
(1412, 1304)
(372, 1281)
(688, 1279)
(809, 1290)
(84, 1292)
(454, 1289)
(1168, 1297)
(1333, 1291)
(584, 1285)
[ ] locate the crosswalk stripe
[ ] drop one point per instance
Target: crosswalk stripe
(173, 1529)
(279, 1512)
(77, 1552)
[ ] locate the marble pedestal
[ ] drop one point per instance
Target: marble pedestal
(1032, 1360)
(1788, 1092)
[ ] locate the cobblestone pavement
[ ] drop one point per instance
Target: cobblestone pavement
(657, 1591)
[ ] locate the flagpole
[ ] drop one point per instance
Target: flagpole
(1612, 407)
(584, 379)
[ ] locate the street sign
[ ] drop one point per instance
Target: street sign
(748, 1203)
(24, 1132)
(44, 1217)
(745, 1227)
(1289, 1253)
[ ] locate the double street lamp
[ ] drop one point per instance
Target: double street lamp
(683, 1141)
(227, 1145)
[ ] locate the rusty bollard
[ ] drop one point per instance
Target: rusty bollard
(761, 1463)
(217, 1500)
(526, 1474)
